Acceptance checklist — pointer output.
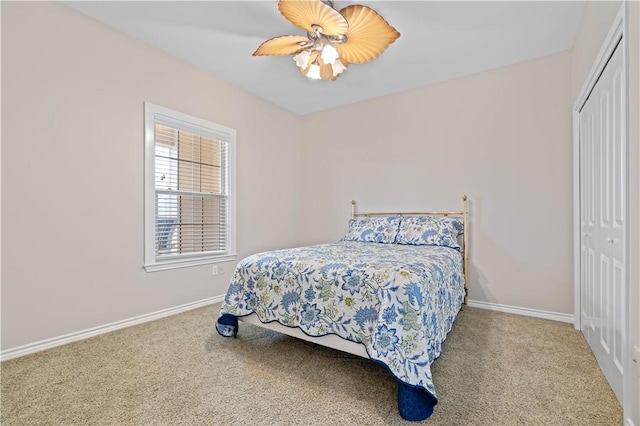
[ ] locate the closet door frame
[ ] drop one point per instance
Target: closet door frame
(617, 34)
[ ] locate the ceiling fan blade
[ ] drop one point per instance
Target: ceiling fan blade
(280, 46)
(305, 14)
(326, 72)
(368, 35)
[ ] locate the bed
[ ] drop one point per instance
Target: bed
(389, 291)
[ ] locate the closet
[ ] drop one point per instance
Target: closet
(602, 175)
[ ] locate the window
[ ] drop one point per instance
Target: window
(189, 190)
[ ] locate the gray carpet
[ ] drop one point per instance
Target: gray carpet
(495, 369)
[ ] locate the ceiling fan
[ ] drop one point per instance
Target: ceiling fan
(355, 35)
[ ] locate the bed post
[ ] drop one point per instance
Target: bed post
(353, 209)
(465, 242)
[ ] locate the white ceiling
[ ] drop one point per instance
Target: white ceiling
(439, 40)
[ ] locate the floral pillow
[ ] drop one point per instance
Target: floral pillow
(373, 230)
(430, 230)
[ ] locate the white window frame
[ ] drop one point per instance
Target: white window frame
(151, 261)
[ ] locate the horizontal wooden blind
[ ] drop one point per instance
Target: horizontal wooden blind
(191, 192)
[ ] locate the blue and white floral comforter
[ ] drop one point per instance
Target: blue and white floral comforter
(400, 301)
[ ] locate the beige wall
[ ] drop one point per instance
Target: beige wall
(503, 137)
(72, 171)
(598, 17)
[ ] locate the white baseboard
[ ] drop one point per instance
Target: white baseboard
(95, 331)
(91, 332)
(536, 313)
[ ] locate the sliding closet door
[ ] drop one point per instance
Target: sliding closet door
(602, 217)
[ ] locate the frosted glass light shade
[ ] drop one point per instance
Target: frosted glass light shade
(302, 59)
(314, 72)
(329, 54)
(338, 67)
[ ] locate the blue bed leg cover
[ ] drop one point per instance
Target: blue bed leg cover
(227, 325)
(415, 404)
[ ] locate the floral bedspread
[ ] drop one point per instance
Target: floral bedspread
(400, 301)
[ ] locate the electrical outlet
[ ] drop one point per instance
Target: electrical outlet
(215, 270)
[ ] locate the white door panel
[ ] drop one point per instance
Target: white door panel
(602, 217)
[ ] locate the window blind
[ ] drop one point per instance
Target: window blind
(191, 190)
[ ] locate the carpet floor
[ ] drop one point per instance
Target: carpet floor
(495, 369)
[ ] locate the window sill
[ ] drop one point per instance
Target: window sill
(183, 263)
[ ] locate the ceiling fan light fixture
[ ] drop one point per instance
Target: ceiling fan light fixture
(354, 35)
